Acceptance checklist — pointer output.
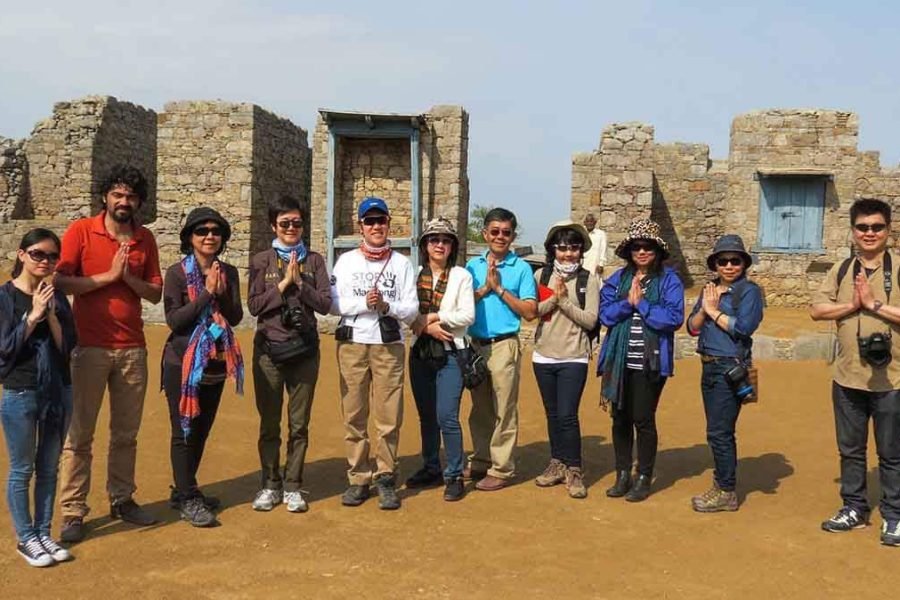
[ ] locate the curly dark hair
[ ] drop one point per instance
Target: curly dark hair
(125, 175)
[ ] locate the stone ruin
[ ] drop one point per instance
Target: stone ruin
(235, 157)
(696, 199)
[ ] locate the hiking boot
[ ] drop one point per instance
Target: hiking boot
(267, 499)
(423, 478)
(890, 532)
(575, 482)
(640, 491)
(455, 489)
(34, 553)
(195, 512)
(470, 474)
(130, 512)
(715, 500)
(554, 474)
(387, 493)
(621, 486)
(295, 502)
(846, 519)
(72, 530)
(355, 495)
(175, 499)
(56, 552)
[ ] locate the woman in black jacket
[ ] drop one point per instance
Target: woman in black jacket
(37, 334)
(202, 303)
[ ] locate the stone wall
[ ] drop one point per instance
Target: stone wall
(14, 196)
(696, 199)
(382, 167)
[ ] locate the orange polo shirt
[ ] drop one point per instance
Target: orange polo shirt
(108, 317)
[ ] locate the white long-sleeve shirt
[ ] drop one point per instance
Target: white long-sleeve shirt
(596, 256)
(352, 278)
(457, 310)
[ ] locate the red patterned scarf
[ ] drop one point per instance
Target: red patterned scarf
(430, 295)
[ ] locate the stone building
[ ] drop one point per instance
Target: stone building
(417, 162)
(786, 188)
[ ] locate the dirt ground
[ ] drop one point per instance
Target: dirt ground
(519, 542)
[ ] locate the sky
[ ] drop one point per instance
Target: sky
(540, 80)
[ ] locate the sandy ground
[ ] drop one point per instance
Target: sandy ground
(519, 542)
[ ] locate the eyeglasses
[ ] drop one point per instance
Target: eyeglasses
(725, 261)
(568, 247)
(287, 224)
(373, 221)
(874, 227)
(205, 231)
(435, 240)
(40, 256)
(637, 247)
(497, 232)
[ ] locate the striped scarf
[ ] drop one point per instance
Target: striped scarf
(430, 295)
(375, 253)
(211, 327)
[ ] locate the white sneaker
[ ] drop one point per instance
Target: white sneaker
(295, 502)
(34, 554)
(266, 499)
(57, 552)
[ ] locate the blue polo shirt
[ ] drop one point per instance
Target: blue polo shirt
(493, 316)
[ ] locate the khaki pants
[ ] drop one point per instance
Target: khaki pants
(494, 420)
(124, 371)
(379, 367)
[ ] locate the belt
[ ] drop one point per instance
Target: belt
(705, 358)
(492, 340)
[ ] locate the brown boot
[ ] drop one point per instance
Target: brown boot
(715, 500)
(575, 482)
(554, 474)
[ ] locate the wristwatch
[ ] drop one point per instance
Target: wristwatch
(501, 291)
(876, 306)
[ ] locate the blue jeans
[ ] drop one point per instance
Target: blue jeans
(722, 408)
(561, 386)
(437, 395)
(34, 447)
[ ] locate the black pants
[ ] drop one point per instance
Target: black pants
(852, 410)
(561, 386)
(641, 397)
(186, 452)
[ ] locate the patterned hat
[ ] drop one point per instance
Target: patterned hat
(642, 229)
(438, 225)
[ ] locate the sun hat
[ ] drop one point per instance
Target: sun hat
(642, 229)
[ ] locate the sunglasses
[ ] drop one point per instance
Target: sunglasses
(637, 247)
(372, 221)
(568, 247)
(734, 261)
(497, 232)
(288, 224)
(874, 228)
(40, 256)
(205, 231)
(440, 240)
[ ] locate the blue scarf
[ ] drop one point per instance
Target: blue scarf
(284, 252)
(612, 388)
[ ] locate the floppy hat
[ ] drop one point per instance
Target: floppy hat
(642, 229)
(438, 225)
(729, 243)
(203, 214)
(372, 203)
(570, 224)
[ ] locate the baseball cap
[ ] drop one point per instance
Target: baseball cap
(372, 203)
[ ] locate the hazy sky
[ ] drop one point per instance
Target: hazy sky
(539, 79)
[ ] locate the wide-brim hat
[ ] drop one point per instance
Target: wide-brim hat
(438, 225)
(642, 229)
(203, 214)
(729, 243)
(570, 224)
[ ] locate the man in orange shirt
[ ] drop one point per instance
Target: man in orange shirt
(109, 263)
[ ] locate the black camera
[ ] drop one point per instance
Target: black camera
(738, 378)
(875, 349)
(292, 317)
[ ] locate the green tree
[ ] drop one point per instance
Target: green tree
(476, 221)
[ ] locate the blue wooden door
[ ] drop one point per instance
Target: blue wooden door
(791, 210)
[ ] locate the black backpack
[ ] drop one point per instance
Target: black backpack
(581, 283)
